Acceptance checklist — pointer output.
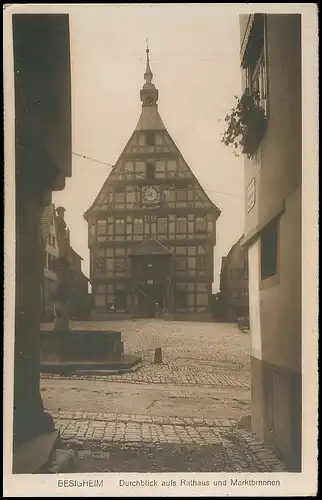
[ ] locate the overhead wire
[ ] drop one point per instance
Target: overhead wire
(141, 174)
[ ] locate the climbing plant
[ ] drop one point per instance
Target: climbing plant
(246, 124)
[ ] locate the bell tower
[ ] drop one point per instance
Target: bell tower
(149, 94)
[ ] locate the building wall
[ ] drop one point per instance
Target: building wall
(50, 276)
(234, 283)
(78, 288)
(277, 165)
(275, 302)
(42, 161)
(180, 218)
(51, 253)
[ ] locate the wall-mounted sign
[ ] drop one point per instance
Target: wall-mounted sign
(150, 282)
(250, 195)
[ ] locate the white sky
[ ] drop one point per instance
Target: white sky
(194, 53)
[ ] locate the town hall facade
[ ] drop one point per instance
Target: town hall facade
(151, 229)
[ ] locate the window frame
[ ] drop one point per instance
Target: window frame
(119, 223)
(101, 267)
(119, 264)
(138, 225)
(183, 259)
(181, 195)
(272, 268)
(202, 258)
(181, 219)
(255, 62)
(164, 223)
(199, 229)
(150, 171)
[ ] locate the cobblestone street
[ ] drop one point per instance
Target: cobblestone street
(194, 345)
(195, 398)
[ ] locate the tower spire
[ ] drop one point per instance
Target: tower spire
(148, 75)
(149, 94)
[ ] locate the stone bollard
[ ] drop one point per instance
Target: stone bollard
(158, 355)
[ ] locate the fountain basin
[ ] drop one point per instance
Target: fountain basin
(79, 350)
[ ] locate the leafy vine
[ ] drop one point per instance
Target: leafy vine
(245, 124)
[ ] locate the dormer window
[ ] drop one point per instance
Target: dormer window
(150, 171)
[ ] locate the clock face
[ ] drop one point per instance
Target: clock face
(150, 194)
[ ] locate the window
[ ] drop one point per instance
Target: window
(254, 61)
(54, 242)
(99, 264)
(138, 226)
(130, 197)
(109, 265)
(256, 81)
(119, 226)
(269, 247)
(150, 138)
(101, 229)
(234, 294)
(191, 262)
(182, 195)
(162, 223)
(180, 263)
(119, 197)
(141, 140)
(200, 224)
(181, 250)
(49, 239)
(150, 171)
(181, 225)
(202, 262)
(119, 264)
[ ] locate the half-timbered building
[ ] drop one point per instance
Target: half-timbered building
(152, 228)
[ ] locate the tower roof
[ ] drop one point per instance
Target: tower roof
(148, 75)
(149, 94)
(150, 118)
